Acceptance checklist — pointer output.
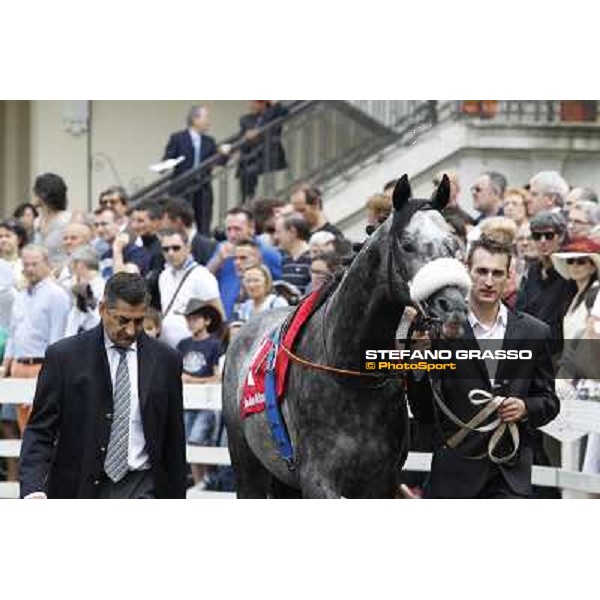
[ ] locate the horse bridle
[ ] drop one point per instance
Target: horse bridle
(423, 321)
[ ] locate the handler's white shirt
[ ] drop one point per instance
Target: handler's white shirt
(138, 458)
(494, 332)
(201, 283)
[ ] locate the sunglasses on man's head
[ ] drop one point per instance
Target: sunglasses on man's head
(578, 261)
(548, 235)
(175, 248)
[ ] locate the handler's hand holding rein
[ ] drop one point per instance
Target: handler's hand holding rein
(512, 410)
(509, 411)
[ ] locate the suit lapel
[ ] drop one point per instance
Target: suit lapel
(102, 367)
(512, 326)
(470, 343)
(146, 365)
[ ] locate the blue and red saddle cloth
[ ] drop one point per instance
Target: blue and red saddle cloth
(265, 382)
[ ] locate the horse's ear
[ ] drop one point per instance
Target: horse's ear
(402, 192)
(442, 194)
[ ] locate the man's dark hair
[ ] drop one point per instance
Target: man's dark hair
(154, 209)
(128, 287)
(180, 232)
(263, 209)
(300, 225)
(497, 182)
(20, 210)
(52, 190)
(312, 195)
(15, 227)
(178, 208)
(240, 210)
(492, 246)
(117, 190)
(247, 242)
(390, 185)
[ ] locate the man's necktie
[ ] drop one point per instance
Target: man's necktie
(116, 463)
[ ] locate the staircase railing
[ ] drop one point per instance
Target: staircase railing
(320, 139)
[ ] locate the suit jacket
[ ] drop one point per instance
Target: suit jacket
(65, 441)
(454, 474)
(180, 144)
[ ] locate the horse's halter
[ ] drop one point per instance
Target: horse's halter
(424, 321)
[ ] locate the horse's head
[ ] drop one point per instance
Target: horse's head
(418, 236)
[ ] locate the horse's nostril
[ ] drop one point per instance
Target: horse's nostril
(443, 304)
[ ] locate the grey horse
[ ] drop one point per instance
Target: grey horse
(349, 433)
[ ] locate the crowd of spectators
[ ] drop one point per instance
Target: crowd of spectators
(54, 264)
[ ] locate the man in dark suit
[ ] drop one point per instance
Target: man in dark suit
(260, 153)
(494, 461)
(196, 147)
(107, 419)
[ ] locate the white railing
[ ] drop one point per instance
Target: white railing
(576, 420)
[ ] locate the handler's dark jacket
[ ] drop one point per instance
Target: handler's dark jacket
(453, 473)
(65, 441)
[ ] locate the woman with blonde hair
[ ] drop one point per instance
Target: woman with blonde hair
(258, 287)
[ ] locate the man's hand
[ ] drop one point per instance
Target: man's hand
(226, 250)
(512, 410)
(251, 134)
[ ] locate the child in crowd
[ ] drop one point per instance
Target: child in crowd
(152, 323)
(201, 353)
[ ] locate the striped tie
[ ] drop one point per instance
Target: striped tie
(116, 463)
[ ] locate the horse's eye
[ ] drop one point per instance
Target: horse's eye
(409, 247)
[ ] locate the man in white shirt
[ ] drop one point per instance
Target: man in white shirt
(182, 279)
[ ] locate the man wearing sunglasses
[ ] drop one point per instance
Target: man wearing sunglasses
(107, 419)
(182, 279)
(544, 293)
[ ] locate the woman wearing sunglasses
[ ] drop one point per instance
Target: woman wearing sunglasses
(577, 377)
(544, 293)
(579, 261)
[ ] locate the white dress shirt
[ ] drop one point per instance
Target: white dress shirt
(496, 331)
(137, 456)
(196, 144)
(201, 283)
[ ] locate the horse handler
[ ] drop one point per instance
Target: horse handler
(107, 418)
(486, 412)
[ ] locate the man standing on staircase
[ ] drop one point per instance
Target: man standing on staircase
(196, 147)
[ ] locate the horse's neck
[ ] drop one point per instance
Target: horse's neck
(357, 312)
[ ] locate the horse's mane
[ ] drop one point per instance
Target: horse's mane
(327, 289)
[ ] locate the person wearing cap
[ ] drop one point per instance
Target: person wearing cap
(200, 353)
(544, 293)
(182, 279)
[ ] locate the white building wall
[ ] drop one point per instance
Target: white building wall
(126, 137)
